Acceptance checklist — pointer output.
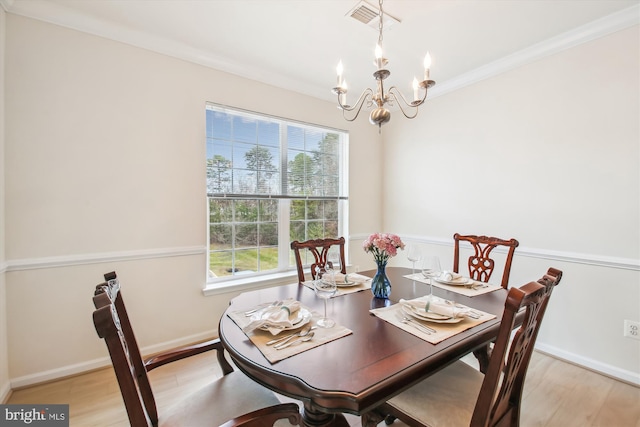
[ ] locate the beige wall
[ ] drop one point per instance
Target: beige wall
(548, 153)
(105, 165)
(103, 142)
(4, 360)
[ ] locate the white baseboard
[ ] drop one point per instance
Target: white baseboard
(628, 377)
(90, 365)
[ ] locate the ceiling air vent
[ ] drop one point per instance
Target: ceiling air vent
(368, 14)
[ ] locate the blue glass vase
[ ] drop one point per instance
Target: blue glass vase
(380, 284)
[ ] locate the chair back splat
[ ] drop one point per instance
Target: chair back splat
(319, 248)
(480, 264)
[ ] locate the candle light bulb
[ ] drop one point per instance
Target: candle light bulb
(427, 66)
(339, 70)
(378, 54)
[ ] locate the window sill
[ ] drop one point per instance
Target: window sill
(248, 283)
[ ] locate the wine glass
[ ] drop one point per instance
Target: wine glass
(325, 288)
(334, 263)
(430, 270)
(333, 260)
(414, 255)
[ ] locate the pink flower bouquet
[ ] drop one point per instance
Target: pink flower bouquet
(383, 246)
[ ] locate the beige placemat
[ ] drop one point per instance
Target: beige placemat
(394, 315)
(260, 338)
(363, 283)
(462, 290)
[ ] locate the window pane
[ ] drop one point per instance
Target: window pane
(244, 129)
(246, 211)
(268, 234)
(220, 210)
(315, 209)
(246, 236)
(268, 259)
(330, 209)
(220, 236)
(268, 210)
(220, 263)
(297, 231)
(246, 260)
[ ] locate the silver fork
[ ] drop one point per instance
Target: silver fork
(475, 286)
(427, 330)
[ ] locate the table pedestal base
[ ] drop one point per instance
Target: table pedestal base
(314, 418)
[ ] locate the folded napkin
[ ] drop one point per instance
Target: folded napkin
(350, 278)
(449, 276)
(438, 306)
(274, 319)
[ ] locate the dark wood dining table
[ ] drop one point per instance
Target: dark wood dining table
(357, 372)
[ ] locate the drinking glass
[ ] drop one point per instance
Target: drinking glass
(333, 260)
(325, 288)
(414, 255)
(431, 269)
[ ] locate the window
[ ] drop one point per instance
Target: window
(270, 181)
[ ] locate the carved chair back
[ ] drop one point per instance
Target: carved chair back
(319, 248)
(501, 392)
(480, 264)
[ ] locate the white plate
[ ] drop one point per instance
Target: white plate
(346, 284)
(302, 317)
(429, 317)
(456, 282)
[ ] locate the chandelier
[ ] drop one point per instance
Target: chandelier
(381, 115)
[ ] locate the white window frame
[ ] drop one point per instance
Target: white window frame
(284, 273)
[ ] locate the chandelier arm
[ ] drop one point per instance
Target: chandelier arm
(358, 105)
(397, 95)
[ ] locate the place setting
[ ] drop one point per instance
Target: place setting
(432, 274)
(432, 318)
(346, 283)
(281, 329)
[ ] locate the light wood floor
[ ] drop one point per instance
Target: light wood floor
(556, 394)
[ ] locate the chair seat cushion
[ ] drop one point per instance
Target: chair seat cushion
(446, 398)
(225, 398)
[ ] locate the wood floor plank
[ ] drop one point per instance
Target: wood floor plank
(621, 407)
(556, 394)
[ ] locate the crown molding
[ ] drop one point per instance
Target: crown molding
(602, 27)
(57, 14)
(6, 4)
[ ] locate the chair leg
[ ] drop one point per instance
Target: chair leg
(483, 354)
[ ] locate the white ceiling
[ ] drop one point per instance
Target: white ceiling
(297, 43)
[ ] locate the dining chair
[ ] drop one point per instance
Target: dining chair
(480, 264)
(459, 395)
(319, 248)
(232, 400)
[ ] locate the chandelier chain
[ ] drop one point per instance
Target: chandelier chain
(381, 18)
